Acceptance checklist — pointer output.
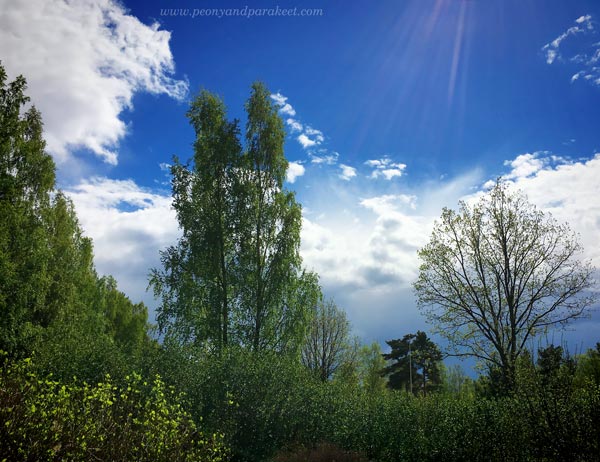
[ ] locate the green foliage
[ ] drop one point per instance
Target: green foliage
(71, 274)
(235, 276)
(51, 299)
(370, 365)
(456, 382)
(267, 404)
(588, 367)
(126, 322)
(198, 283)
(257, 399)
(564, 417)
(43, 419)
(26, 178)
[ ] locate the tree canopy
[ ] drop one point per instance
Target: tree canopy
(235, 275)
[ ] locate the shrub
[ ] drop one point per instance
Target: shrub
(43, 419)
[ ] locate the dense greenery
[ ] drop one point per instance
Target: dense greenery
(233, 378)
(51, 299)
(267, 402)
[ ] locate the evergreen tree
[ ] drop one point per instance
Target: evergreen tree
(416, 364)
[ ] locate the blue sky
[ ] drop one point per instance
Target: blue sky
(394, 109)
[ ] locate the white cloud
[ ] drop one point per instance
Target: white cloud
(385, 168)
(347, 172)
(313, 132)
(84, 60)
(279, 99)
(389, 203)
(595, 57)
(295, 169)
(588, 55)
(324, 157)
(305, 141)
(570, 191)
(287, 109)
(374, 254)
(129, 225)
(551, 55)
(389, 173)
(284, 107)
(574, 77)
(525, 165)
(294, 125)
(587, 20)
(310, 138)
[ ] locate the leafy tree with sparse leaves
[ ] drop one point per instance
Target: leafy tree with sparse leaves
(497, 273)
(328, 340)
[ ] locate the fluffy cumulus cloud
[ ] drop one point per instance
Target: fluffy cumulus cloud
(568, 190)
(584, 38)
(84, 60)
(310, 137)
(305, 141)
(129, 225)
(371, 246)
(294, 125)
(295, 170)
(385, 168)
(364, 251)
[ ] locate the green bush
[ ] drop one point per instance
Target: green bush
(257, 400)
(43, 419)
